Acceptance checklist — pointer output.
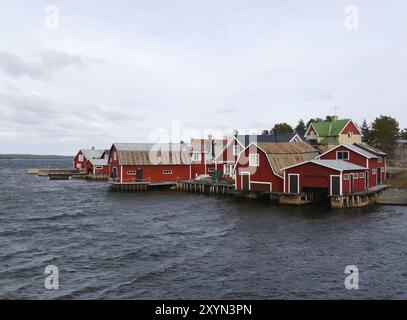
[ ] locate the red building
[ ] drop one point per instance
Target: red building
(259, 166)
(334, 177)
(362, 155)
(91, 160)
(149, 163)
(225, 159)
(203, 152)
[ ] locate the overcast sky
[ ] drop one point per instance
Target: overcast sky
(95, 72)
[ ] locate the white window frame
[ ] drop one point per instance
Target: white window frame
(350, 134)
(355, 176)
(211, 169)
(98, 167)
(361, 175)
(330, 184)
(337, 153)
(131, 172)
(244, 173)
(298, 182)
(80, 158)
(346, 176)
(167, 171)
(373, 171)
(196, 157)
(115, 156)
(379, 160)
(255, 163)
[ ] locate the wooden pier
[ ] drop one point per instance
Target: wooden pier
(205, 186)
(359, 199)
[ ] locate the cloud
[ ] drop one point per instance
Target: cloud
(16, 67)
(45, 65)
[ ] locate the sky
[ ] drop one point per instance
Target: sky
(77, 74)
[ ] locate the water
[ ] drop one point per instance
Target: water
(170, 245)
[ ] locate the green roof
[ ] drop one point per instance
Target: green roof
(329, 141)
(330, 128)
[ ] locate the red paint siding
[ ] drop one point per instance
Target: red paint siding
(362, 161)
(315, 176)
(311, 176)
(76, 161)
(351, 127)
(154, 173)
(262, 173)
(354, 157)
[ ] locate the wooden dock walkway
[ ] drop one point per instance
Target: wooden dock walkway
(205, 186)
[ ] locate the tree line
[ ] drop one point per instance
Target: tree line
(382, 133)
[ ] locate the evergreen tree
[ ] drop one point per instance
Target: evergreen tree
(365, 131)
(384, 133)
(301, 128)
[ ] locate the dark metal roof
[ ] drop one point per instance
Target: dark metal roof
(246, 139)
(370, 149)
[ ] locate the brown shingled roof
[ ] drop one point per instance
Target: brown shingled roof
(283, 155)
(153, 157)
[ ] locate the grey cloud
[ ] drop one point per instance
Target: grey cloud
(46, 64)
(16, 67)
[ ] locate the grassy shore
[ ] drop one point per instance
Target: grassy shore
(398, 178)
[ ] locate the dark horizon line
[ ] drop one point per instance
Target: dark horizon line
(27, 156)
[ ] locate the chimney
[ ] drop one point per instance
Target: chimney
(210, 144)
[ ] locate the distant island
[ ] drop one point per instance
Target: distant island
(32, 157)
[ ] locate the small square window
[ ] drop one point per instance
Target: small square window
(350, 134)
(379, 160)
(167, 171)
(373, 171)
(342, 155)
(346, 176)
(361, 175)
(254, 160)
(355, 176)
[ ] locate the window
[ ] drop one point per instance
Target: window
(196, 157)
(346, 176)
(227, 170)
(236, 150)
(210, 169)
(373, 171)
(99, 167)
(131, 172)
(80, 158)
(355, 176)
(167, 171)
(361, 175)
(115, 156)
(342, 155)
(350, 134)
(379, 160)
(254, 160)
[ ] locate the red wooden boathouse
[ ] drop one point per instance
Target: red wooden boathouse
(259, 166)
(333, 177)
(363, 155)
(149, 163)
